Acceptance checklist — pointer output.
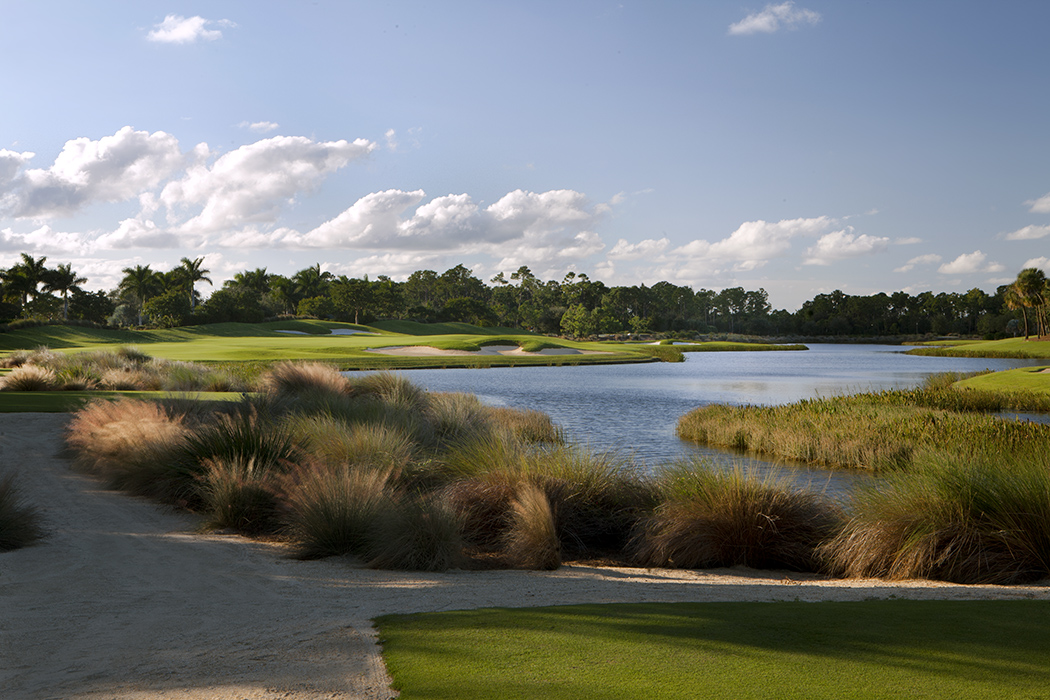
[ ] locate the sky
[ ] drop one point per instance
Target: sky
(800, 147)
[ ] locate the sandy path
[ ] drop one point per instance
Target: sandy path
(125, 600)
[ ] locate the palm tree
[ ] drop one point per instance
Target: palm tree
(64, 280)
(257, 280)
(1012, 299)
(1027, 292)
(311, 282)
(192, 272)
(141, 282)
(23, 278)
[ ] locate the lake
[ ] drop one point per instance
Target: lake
(633, 409)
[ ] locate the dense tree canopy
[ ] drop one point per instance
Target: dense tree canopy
(576, 305)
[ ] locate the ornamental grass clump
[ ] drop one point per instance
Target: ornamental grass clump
(333, 509)
(243, 436)
(419, 533)
(456, 417)
(527, 425)
(239, 494)
(132, 445)
(19, 522)
(977, 520)
(391, 389)
(712, 519)
(30, 378)
(531, 540)
(299, 378)
(366, 445)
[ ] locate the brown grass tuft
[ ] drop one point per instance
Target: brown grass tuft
(532, 539)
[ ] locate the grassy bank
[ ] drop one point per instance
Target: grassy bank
(877, 431)
(1024, 380)
(870, 649)
(1007, 348)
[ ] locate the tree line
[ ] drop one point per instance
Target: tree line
(575, 305)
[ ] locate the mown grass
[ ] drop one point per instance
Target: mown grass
(1025, 380)
(1007, 348)
(870, 649)
(878, 431)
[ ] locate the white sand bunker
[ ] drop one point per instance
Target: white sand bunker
(511, 350)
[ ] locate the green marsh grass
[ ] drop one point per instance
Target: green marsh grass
(19, 522)
(710, 518)
(880, 431)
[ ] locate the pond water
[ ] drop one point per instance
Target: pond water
(633, 409)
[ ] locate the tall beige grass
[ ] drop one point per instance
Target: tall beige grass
(30, 378)
(532, 537)
(295, 378)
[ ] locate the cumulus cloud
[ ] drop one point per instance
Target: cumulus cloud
(1043, 263)
(176, 29)
(969, 263)
(46, 241)
(840, 245)
(260, 127)
(521, 228)
(251, 183)
(773, 18)
(1028, 233)
(930, 259)
(1041, 205)
(113, 169)
(648, 249)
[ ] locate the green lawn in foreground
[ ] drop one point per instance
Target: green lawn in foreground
(1009, 347)
(871, 649)
(1023, 379)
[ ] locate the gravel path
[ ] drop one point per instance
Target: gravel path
(126, 600)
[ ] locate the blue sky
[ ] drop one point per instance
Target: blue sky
(801, 147)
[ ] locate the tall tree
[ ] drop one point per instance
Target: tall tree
(64, 280)
(141, 283)
(192, 273)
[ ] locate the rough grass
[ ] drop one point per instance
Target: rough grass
(964, 520)
(712, 519)
(416, 534)
(532, 537)
(19, 522)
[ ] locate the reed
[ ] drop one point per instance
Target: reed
(710, 519)
(19, 522)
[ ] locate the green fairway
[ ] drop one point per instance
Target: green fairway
(870, 649)
(1009, 347)
(1024, 379)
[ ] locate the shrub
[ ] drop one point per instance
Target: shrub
(19, 523)
(417, 534)
(333, 509)
(977, 520)
(713, 519)
(30, 378)
(532, 539)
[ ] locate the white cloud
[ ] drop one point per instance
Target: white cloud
(176, 29)
(1028, 233)
(907, 241)
(251, 183)
(773, 18)
(260, 127)
(113, 169)
(648, 248)
(1041, 205)
(45, 240)
(1043, 263)
(839, 245)
(969, 263)
(391, 139)
(930, 259)
(754, 243)
(10, 163)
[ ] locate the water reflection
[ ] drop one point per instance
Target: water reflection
(633, 409)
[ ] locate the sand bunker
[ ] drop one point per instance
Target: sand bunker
(508, 350)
